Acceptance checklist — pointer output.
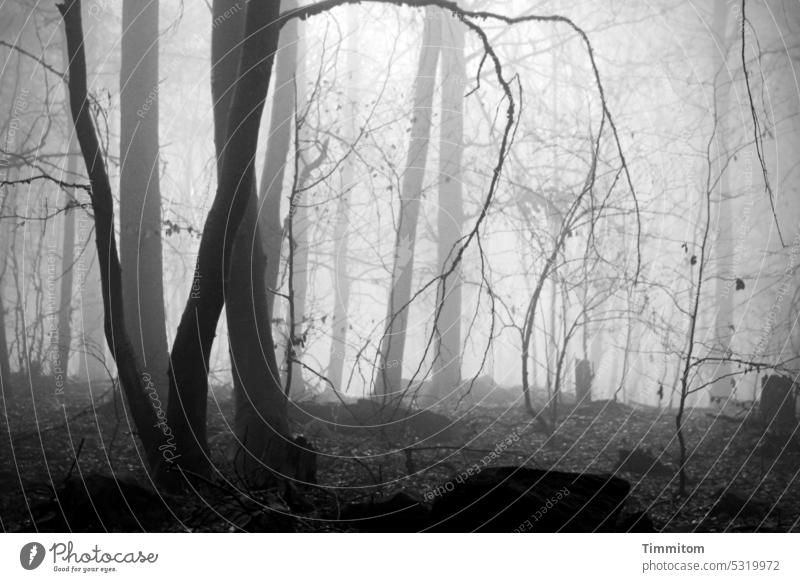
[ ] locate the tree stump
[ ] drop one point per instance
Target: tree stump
(583, 381)
(777, 406)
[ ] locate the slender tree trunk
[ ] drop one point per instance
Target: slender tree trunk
(550, 348)
(5, 356)
(260, 423)
(389, 374)
(271, 190)
(299, 240)
(341, 281)
(140, 196)
(90, 308)
(722, 389)
(623, 381)
(298, 228)
(67, 260)
(447, 364)
(133, 384)
(560, 368)
(528, 331)
(61, 370)
(5, 368)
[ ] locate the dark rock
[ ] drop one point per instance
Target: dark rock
(400, 513)
(268, 521)
(507, 499)
(99, 503)
(636, 522)
(641, 462)
(519, 499)
(735, 505)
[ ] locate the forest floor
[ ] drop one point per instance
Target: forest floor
(738, 480)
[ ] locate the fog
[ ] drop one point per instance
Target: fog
(458, 213)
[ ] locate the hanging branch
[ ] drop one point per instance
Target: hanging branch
(759, 142)
(468, 17)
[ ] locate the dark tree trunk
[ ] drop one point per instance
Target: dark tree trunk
(144, 416)
(139, 193)
(186, 413)
(260, 424)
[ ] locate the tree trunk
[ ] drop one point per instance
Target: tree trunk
(622, 388)
(5, 368)
(61, 368)
(260, 423)
(281, 125)
(722, 389)
(191, 350)
(447, 364)
(5, 356)
(67, 269)
(90, 308)
(341, 281)
(133, 384)
(140, 196)
(298, 230)
(389, 374)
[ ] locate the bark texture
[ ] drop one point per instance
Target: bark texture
(260, 422)
(186, 413)
(133, 385)
(139, 192)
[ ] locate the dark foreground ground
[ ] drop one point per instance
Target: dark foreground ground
(57, 456)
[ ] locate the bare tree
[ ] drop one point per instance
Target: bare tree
(447, 363)
(341, 281)
(298, 227)
(389, 374)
